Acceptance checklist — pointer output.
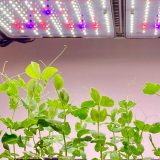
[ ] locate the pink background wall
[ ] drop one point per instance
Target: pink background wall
(118, 68)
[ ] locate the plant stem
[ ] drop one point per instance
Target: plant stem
(34, 141)
(98, 130)
(64, 137)
(14, 149)
(65, 145)
(98, 123)
(151, 140)
(40, 137)
(34, 145)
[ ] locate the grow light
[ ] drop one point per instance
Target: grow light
(143, 18)
(56, 18)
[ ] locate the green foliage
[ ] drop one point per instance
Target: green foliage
(102, 115)
(9, 139)
(58, 82)
(151, 88)
(106, 102)
(48, 72)
(88, 104)
(122, 139)
(95, 95)
(81, 113)
(115, 155)
(95, 115)
(155, 128)
(33, 70)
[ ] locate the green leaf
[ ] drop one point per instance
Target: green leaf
(106, 102)
(81, 113)
(130, 116)
(155, 128)
(76, 153)
(20, 82)
(127, 104)
(58, 82)
(137, 150)
(113, 114)
(27, 123)
(55, 125)
(151, 88)
(33, 70)
(102, 115)
(9, 138)
(3, 87)
(94, 115)
(82, 132)
(139, 124)
(5, 146)
(88, 104)
(20, 142)
(95, 95)
(55, 103)
(34, 89)
(12, 89)
(7, 121)
(114, 127)
(125, 118)
(157, 152)
(66, 129)
(48, 72)
(52, 111)
(97, 147)
(13, 102)
(64, 96)
(87, 138)
(6, 154)
(115, 155)
(78, 126)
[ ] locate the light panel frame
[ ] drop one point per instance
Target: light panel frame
(142, 18)
(56, 18)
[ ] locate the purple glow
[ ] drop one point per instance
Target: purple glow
(157, 25)
(47, 12)
(30, 25)
(82, 26)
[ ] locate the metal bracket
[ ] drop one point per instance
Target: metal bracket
(5, 41)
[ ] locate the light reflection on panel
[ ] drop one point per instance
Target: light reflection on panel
(56, 18)
(143, 18)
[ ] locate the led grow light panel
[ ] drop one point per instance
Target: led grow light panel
(143, 18)
(56, 18)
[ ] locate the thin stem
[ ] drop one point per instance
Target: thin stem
(98, 130)
(34, 141)
(40, 137)
(14, 148)
(98, 123)
(61, 53)
(4, 66)
(151, 140)
(142, 156)
(65, 145)
(64, 137)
